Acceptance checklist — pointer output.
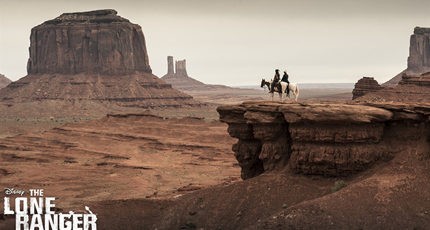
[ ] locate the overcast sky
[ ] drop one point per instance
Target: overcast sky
(236, 42)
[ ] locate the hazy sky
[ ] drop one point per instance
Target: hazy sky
(236, 42)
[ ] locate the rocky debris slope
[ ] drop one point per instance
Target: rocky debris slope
(365, 85)
(318, 139)
(4, 81)
(95, 55)
(141, 90)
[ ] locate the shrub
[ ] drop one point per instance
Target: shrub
(338, 185)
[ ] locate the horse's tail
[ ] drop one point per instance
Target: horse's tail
(296, 92)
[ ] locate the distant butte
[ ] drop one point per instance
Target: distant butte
(177, 75)
(94, 55)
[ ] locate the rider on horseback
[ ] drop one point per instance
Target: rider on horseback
(285, 79)
(275, 81)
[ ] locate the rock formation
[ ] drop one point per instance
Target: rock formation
(181, 68)
(179, 78)
(95, 55)
(170, 70)
(319, 139)
(365, 85)
(419, 55)
(417, 80)
(419, 51)
(90, 42)
(4, 81)
(411, 89)
(412, 84)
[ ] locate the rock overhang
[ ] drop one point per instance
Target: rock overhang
(320, 139)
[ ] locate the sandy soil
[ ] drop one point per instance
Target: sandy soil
(120, 157)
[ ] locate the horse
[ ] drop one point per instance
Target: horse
(281, 88)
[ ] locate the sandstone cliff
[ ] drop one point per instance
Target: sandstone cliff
(419, 55)
(88, 42)
(4, 81)
(319, 139)
(419, 51)
(365, 85)
(95, 55)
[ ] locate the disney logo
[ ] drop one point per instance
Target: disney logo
(13, 191)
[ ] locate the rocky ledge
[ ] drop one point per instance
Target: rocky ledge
(321, 139)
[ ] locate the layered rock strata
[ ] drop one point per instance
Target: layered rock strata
(365, 85)
(410, 89)
(418, 80)
(319, 139)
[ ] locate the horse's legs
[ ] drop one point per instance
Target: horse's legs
(272, 95)
(296, 93)
(295, 96)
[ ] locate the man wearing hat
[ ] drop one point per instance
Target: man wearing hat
(276, 79)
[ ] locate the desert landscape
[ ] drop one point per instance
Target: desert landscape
(94, 127)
